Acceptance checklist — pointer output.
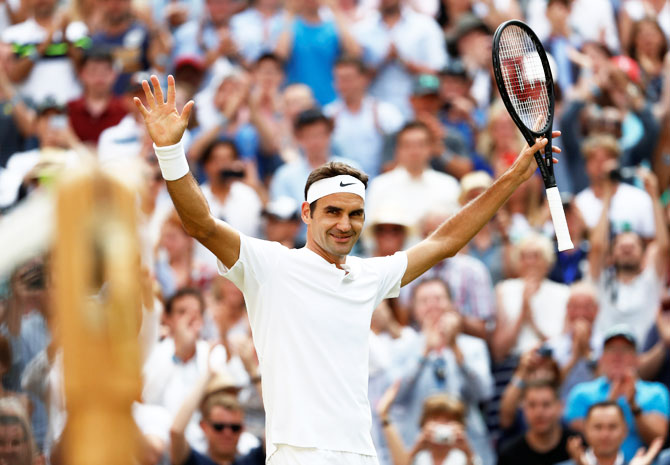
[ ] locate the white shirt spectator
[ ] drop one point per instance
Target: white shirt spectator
(417, 39)
(432, 191)
(311, 322)
(631, 209)
(360, 136)
(167, 381)
(52, 76)
(589, 20)
(634, 304)
(547, 309)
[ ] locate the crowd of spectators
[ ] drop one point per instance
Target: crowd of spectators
(507, 353)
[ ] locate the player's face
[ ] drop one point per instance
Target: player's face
(335, 225)
(605, 431)
(542, 409)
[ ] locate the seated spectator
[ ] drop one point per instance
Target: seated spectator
(399, 44)
(577, 349)
(43, 50)
(413, 185)
(629, 290)
(530, 308)
(222, 422)
(282, 222)
(5, 367)
(17, 445)
(469, 283)
(57, 148)
(645, 405)
(442, 439)
(605, 433)
(655, 360)
(97, 109)
(630, 208)
(133, 44)
(310, 45)
(364, 125)
(545, 441)
(435, 361)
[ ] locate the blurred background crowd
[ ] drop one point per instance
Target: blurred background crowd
(507, 353)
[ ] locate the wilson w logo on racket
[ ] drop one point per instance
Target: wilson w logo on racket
(526, 87)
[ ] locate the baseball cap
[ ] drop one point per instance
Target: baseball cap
(426, 84)
(194, 61)
(135, 81)
(455, 67)
(619, 330)
(284, 208)
(628, 66)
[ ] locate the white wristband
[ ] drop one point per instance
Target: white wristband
(172, 161)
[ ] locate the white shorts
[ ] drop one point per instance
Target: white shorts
(291, 455)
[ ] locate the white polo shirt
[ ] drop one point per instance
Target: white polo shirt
(310, 323)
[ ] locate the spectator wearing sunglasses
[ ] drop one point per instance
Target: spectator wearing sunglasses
(222, 422)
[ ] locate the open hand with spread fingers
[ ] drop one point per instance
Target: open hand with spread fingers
(164, 123)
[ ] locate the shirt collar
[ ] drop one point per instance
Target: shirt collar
(592, 460)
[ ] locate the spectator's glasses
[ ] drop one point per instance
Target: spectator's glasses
(219, 427)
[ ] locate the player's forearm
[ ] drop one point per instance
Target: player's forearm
(454, 233)
(192, 207)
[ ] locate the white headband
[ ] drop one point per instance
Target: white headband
(335, 185)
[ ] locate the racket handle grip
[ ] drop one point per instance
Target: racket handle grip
(558, 218)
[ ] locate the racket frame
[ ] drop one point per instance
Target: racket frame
(544, 161)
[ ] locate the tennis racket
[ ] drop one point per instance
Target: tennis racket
(524, 80)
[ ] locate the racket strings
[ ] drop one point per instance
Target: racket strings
(524, 77)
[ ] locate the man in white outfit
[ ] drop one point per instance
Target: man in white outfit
(310, 308)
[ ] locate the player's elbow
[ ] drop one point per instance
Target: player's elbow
(201, 229)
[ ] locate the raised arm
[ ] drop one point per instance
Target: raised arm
(457, 231)
(166, 128)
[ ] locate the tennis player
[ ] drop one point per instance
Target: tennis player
(310, 308)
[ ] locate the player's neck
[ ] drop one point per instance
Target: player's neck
(336, 260)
